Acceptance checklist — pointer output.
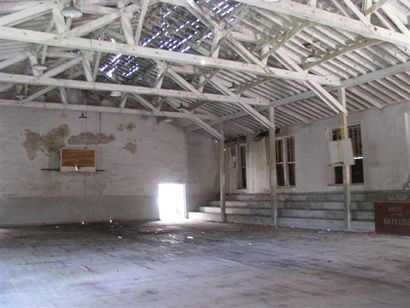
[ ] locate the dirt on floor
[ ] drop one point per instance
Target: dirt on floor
(197, 264)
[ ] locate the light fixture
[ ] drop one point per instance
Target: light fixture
(20, 97)
(233, 86)
(115, 94)
(71, 12)
(314, 57)
(168, 120)
(82, 116)
(39, 67)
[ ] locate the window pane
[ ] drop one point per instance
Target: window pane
(290, 145)
(243, 156)
(291, 174)
(357, 171)
(243, 184)
(339, 175)
(336, 135)
(356, 136)
(233, 151)
(242, 167)
(280, 175)
(279, 151)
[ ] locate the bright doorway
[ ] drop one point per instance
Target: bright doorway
(171, 201)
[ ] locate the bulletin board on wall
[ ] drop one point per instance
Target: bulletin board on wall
(77, 160)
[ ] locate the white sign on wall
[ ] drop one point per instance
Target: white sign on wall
(341, 152)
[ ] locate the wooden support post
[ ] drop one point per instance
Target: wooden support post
(272, 168)
(344, 134)
(406, 185)
(222, 174)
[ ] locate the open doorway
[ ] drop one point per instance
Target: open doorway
(171, 201)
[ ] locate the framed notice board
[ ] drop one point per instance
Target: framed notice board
(392, 218)
(77, 160)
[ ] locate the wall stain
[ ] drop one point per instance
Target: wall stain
(49, 143)
(130, 147)
(128, 126)
(88, 138)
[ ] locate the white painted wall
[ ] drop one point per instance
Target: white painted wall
(126, 189)
(203, 170)
(384, 147)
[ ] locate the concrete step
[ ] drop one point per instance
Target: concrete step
(248, 197)
(237, 210)
(332, 224)
(295, 213)
(287, 197)
(369, 196)
(332, 214)
(253, 203)
(312, 205)
(204, 216)
(309, 223)
(232, 218)
(362, 206)
(363, 215)
(382, 196)
(248, 219)
(328, 205)
(362, 225)
(320, 214)
(316, 197)
(266, 220)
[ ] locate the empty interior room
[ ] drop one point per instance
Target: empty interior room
(205, 153)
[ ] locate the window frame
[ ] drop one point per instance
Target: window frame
(242, 169)
(285, 161)
(332, 172)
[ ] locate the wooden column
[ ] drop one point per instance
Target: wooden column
(406, 185)
(272, 168)
(344, 130)
(222, 174)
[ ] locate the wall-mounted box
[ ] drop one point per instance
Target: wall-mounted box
(77, 160)
(341, 152)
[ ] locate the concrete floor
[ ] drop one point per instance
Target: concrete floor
(200, 265)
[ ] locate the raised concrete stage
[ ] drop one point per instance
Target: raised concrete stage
(304, 210)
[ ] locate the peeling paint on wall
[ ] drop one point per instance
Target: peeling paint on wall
(128, 126)
(130, 147)
(48, 143)
(88, 138)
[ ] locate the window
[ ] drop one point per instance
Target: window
(285, 161)
(357, 169)
(242, 167)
